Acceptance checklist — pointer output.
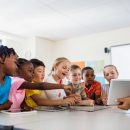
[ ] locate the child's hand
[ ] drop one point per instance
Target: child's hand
(99, 101)
(104, 100)
(76, 97)
(7, 105)
(87, 102)
(68, 89)
(69, 101)
(124, 103)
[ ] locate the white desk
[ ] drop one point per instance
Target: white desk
(70, 120)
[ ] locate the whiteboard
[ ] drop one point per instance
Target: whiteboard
(120, 57)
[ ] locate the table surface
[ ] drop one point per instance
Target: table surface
(106, 119)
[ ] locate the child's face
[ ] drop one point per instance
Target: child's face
(110, 73)
(10, 64)
(26, 72)
(62, 70)
(39, 74)
(88, 76)
(75, 76)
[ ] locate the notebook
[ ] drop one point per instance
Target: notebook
(118, 89)
(51, 108)
(88, 108)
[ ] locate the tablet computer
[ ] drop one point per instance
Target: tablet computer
(118, 89)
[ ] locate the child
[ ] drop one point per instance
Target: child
(34, 98)
(110, 72)
(75, 81)
(8, 65)
(92, 87)
(60, 71)
(14, 85)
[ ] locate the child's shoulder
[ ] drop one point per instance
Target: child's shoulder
(97, 82)
(16, 81)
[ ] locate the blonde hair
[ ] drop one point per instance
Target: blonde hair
(110, 66)
(58, 61)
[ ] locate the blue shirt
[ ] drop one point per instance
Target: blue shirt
(5, 89)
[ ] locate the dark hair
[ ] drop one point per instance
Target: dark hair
(5, 51)
(74, 67)
(37, 63)
(22, 61)
(87, 68)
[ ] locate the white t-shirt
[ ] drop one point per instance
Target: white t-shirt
(55, 93)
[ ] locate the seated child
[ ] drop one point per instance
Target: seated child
(35, 98)
(110, 72)
(8, 65)
(92, 87)
(75, 81)
(60, 71)
(13, 88)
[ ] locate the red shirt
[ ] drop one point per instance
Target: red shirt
(94, 89)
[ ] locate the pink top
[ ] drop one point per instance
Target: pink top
(16, 95)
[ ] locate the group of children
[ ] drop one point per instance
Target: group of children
(23, 83)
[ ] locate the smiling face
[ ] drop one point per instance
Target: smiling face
(88, 76)
(39, 74)
(110, 73)
(75, 76)
(62, 69)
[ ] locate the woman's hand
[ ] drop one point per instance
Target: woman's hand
(124, 103)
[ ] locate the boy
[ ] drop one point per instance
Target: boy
(92, 87)
(75, 81)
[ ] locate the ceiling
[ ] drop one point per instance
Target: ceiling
(62, 19)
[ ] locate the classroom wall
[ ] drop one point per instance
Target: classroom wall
(25, 47)
(91, 47)
(44, 51)
(85, 47)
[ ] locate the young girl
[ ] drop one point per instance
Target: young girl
(34, 98)
(110, 72)
(60, 71)
(14, 85)
(8, 65)
(75, 81)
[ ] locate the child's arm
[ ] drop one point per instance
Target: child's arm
(44, 86)
(6, 105)
(124, 103)
(88, 102)
(104, 97)
(98, 94)
(41, 101)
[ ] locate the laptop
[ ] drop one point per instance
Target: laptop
(118, 89)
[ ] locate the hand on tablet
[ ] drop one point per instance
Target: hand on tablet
(124, 103)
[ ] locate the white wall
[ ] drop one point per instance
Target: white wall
(91, 47)
(25, 47)
(44, 51)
